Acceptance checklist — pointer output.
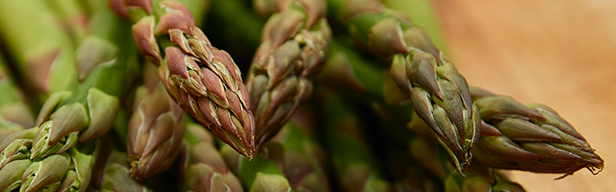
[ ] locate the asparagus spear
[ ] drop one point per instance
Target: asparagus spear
(67, 171)
(355, 168)
(202, 79)
(116, 176)
(477, 177)
(530, 137)
(205, 169)
(293, 47)
(155, 133)
(439, 93)
(15, 114)
(304, 160)
(292, 159)
(71, 17)
(344, 61)
(40, 54)
(263, 172)
(89, 109)
(64, 121)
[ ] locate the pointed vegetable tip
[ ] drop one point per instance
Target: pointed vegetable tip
(533, 138)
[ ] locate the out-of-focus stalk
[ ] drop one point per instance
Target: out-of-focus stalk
(202, 79)
(155, 133)
(303, 163)
(41, 55)
(354, 166)
(81, 114)
(155, 128)
(292, 159)
(263, 172)
(116, 176)
(71, 17)
(293, 48)
(477, 177)
(204, 169)
(439, 93)
(88, 109)
(15, 114)
(531, 137)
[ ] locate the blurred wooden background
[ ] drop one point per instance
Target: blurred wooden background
(558, 52)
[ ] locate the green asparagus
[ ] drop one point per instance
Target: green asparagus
(530, 137)
(293, 47)
(205, 169)
(202, 79)
(355, 168)
(15, 114)
(155, 133)
(263, 172)
(40, 63)
(439, 93)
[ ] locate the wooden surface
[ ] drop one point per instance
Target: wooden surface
(558, 52)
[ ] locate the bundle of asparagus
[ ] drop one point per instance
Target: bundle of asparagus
(113, 102)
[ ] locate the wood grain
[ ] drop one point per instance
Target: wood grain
(558, 52)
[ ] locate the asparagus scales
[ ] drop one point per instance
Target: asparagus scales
(155, 133)
(64, 121)
(40, 63)
(202, 79)
(205, 169)
(530, 137)
(354, 167)
(439, 93)
(293, 47)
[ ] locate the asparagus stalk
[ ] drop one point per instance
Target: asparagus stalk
(15, 114)
(355, 167)
(477, 177)
(66, 171)
(530, 137)
(439, 93)
(263, 172)
(292, 158)
(40, 54)
(358, 74)
(202, 79)
(155, 133)
(293, 47)
(304, 160)
(63, 121)
(72, 17)
(89, 109)
(205, 169)
(116, 176)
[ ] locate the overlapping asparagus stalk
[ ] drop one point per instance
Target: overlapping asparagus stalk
(355, 167)
(15, 115)
(116, 176)
(477, 177)
(155, 132)
(202, 79)
(72, 17)
(293, 47)
(357, 73)
(263, 172)
(40, 54)
(204, 169)
(303, 162)
(439, 93)
(531, 137)
(290, 161)
(87, 111)
(66, 171)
